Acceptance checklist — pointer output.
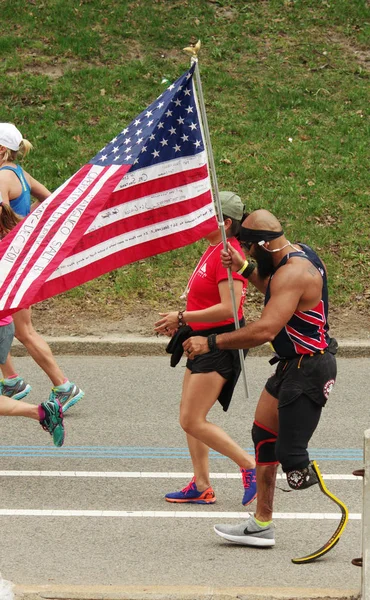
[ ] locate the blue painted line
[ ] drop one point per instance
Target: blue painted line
(151, 452)
(167, 448)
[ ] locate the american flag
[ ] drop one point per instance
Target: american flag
(146, 192)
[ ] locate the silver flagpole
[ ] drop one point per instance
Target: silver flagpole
(193, 51)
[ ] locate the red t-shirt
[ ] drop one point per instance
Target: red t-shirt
(203, 284)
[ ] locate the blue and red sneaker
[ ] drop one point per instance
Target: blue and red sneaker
(250, 485)
(191, 494)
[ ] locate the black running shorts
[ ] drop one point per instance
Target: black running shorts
(220, 361)
(311, 375)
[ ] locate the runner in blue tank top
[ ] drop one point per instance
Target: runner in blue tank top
(16, 185)
(16, 188)
(22, 203)
(295, 322)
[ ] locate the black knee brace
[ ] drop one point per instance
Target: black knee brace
(300, 479)
(264, 444)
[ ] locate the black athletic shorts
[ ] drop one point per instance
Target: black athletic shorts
(220, 361)
(311, 375)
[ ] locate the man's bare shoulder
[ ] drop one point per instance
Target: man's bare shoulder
(298, 278)
(305, 267)
(297, 273)
(291, 273)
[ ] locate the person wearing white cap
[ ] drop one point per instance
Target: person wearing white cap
(16, 189)
(209, 311)
(17, 186)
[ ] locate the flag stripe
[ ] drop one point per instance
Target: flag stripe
(164, 206)
(64, 236)
(119, 258)
(153, 199)
(161, 171)
(26, 233)
(132, 232)
(38, 230)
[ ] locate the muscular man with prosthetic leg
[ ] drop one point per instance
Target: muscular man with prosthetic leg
(295, 322)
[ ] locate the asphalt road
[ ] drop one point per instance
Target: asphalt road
(124, 450)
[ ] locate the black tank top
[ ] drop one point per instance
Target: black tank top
(306, 331)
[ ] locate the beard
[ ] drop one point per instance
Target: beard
(264, 262)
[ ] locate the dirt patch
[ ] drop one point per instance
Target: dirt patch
(60, 318)
(227, 12)
(134, 51)
(53, 70)
(362, 56)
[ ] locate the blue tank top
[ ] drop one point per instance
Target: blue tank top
(22, 204)
(307, 331)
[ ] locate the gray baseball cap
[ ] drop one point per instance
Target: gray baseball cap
(231, 205)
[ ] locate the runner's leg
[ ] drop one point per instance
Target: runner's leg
(199, 452)
(200, 393)
(36, 346)
(297, 423)
(17, 408)
(267, 415)
(8, 369)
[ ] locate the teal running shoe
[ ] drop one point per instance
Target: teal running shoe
(51, 420)
(15, 388)
(68, 397)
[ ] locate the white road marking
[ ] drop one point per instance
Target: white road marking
(175, 514)
(155, 514)
(150, 475)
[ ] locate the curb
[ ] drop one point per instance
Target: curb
(135, 592)
(130, 345)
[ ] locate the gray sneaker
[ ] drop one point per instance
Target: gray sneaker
(248, 533)
(17, 389)
(66, 398)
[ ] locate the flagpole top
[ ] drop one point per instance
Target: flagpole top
(193, 50)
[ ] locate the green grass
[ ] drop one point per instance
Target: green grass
(286, 86)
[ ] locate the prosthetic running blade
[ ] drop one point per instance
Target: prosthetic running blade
(334, 539)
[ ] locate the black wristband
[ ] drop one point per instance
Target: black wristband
(211, 339)
(249, 270)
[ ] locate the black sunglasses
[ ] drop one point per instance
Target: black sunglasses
(246, 245)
